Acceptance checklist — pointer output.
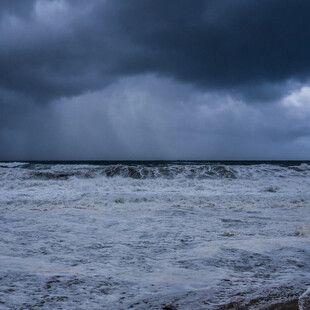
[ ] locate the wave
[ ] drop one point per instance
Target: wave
(13, 165)
(170, 171)
(139, 172)
(46, 171)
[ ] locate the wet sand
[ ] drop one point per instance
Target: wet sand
(293, 305)
(289, 305)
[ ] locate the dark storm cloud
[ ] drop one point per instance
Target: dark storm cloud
(219, 43)
(149, 117)
(51, 49)
(141, 79)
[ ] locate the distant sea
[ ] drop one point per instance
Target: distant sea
(154, 234)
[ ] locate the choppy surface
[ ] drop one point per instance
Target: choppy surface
(197, 236)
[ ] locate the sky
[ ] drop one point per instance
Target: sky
(151, 79)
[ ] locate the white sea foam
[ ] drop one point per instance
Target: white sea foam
(304, 300)
(141, 237)
(12, 164)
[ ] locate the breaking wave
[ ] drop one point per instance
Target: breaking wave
(14, 165)
(188, 170)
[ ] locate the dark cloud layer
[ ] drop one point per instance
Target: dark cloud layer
(212, 44)
(206, 62)
(219, 43)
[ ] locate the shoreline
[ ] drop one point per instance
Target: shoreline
(289, 305)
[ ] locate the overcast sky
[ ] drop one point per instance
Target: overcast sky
(152, 79)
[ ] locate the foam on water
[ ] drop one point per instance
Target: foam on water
(304, 300)
(13, 164)
(143, 236)
(192, 170)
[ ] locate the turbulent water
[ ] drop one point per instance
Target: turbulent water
(150, 235)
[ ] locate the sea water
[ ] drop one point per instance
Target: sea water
(147, 235)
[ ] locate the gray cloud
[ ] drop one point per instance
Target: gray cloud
(64, 48)
(152, 79)
(146, 117)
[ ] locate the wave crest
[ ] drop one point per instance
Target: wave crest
(154, 171)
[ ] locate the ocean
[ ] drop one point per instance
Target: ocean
(154, 235)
